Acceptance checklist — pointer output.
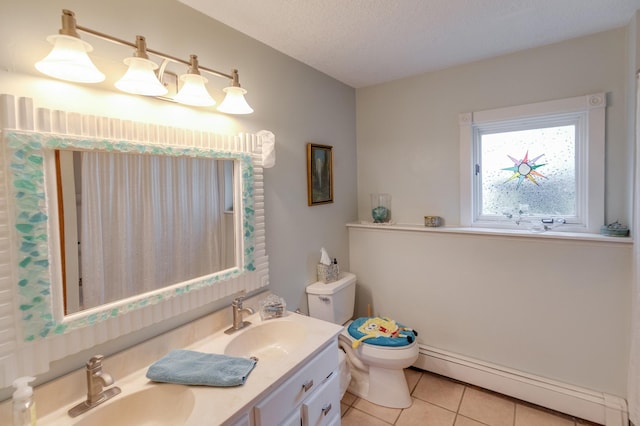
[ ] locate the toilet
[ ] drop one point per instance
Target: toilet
(377, 372)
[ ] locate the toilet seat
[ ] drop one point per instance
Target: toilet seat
(376, 348)
(404, 337)
(381, 356)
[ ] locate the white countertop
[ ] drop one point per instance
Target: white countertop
(220, 405)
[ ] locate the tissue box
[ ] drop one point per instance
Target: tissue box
(328, 273)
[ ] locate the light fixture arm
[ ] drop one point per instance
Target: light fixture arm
(141, 48)
(68, 60)
(235, 81)
(71, 28)
(194, 67)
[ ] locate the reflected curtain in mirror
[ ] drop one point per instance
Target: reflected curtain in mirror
(148, 222)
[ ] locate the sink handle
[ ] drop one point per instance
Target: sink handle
(307, 385)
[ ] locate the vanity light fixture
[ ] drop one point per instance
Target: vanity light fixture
(69, 61)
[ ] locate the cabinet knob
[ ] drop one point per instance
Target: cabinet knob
(307, 385)
(326, 409)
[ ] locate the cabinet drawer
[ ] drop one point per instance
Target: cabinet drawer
(293, 391)
(322, 408)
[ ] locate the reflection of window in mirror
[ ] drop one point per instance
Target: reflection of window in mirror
(134, 223)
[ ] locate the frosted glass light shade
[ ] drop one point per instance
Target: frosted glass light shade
(234, 102)
(140, 78)
(68, 60)
(193, 91)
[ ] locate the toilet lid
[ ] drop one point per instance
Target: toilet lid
(375, 326)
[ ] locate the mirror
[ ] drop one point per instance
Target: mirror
(35, 328)
(33, 170)
(133, 223)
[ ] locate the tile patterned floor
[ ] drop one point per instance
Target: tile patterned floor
(439, 401)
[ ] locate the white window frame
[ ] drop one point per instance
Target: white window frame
(589, 113)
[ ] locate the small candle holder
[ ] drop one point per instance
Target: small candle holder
(432, 221)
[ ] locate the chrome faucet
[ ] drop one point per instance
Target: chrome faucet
(97, 380)
(238, 310)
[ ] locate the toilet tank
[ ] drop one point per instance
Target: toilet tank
(333, 302)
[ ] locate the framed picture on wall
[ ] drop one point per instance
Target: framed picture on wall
(319, 174)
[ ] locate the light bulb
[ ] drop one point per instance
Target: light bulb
(193, 91)
(234, 102)
(140, 78)
(68, 60)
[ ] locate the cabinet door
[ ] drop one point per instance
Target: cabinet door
(323, 407)
(295, 419)
(303, 383)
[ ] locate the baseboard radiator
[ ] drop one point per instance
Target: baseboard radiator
(608, 410)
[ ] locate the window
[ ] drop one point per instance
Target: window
(538, 166)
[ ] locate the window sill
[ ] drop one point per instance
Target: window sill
(515, 233)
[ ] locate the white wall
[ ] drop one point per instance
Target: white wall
(554, 308)
(559, 309)
(295, 102)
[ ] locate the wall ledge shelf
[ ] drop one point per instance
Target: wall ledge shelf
(509, 233)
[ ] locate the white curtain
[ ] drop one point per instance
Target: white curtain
(148, 222)
(633, 383)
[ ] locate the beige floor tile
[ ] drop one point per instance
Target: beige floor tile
(465, 421)
(529, 416)
(343, 409)
(412, 376)
(439, 391)
(389, 415)
(348, 398)
(487, 407)
(355, 417)
(422, 413)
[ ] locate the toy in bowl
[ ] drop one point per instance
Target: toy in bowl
(381, 208)
(380, 214)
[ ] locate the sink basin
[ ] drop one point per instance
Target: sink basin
(267, 340)
(162, 404)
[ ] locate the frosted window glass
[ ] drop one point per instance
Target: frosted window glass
(544, 184)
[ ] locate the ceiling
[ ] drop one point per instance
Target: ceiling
(366, 42)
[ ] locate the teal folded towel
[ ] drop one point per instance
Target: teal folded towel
(196, 368)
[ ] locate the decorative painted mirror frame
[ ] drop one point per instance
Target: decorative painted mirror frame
(31, 315)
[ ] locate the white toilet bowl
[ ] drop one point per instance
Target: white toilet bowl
(345, 372)
(378, 371)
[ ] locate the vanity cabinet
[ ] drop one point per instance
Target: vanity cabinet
(309, 397)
